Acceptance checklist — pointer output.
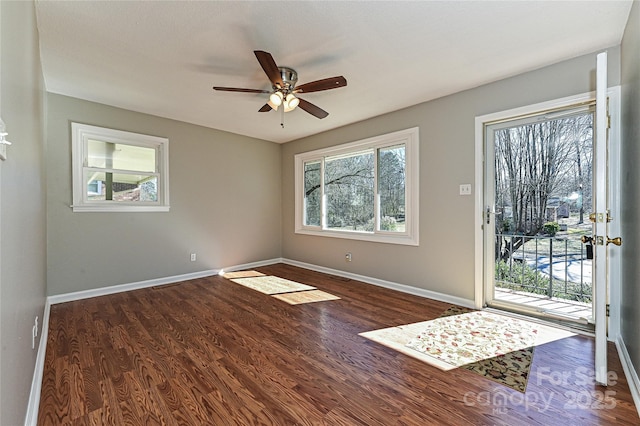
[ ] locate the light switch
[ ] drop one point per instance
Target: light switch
(465, 189)
(3, 140)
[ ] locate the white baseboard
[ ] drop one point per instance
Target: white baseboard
(103, 291)
(253, 264)
(33, 405)
(468, 303)
(629, 371)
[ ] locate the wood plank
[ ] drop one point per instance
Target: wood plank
(209, 351)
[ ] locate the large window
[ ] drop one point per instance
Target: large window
(366, 190)
(119, 171)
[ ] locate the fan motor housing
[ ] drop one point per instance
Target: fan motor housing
(289, 77)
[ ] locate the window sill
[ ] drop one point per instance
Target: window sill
(119, 208)
(386, 238)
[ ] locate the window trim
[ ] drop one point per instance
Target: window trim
(408, 137)
(80, 135)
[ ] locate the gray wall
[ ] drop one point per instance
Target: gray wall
(22, 207)
(444, 261)
(630, 185)
(232, 197)
(225, 204)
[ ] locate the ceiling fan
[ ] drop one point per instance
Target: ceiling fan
(284, 89)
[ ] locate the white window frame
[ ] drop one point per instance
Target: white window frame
(81, 134)
(410, 139)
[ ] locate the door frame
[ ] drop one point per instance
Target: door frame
(613, 93)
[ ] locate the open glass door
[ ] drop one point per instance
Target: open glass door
(545, 168)
(538, 184)
(601, 218)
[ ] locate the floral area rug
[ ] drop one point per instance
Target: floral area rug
(465, 338)
(510, 369)
(497, 347)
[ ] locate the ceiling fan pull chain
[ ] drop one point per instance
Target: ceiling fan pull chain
(282, 117)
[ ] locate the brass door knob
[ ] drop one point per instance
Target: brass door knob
(586, 240)
(617, 241)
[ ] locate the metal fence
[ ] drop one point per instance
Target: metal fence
(552, 266)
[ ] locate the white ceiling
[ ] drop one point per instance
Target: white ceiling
(163, 58)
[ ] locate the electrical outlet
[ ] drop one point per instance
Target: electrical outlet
(193, 257)
(347, 257)
(465, 189)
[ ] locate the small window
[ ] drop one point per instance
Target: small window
(121, 171)
(366, 190)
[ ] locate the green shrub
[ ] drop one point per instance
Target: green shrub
(522, 277)
(507, 226)
(551, 228)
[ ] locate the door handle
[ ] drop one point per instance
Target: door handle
(489, 212)
(599, 217)
(616, 241)
(589, 240)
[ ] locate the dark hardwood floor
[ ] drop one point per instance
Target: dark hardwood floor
(209, 351)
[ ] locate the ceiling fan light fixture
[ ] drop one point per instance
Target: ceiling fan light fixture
(276, 98)
(283, 86)
(291, 102)
(272, 105)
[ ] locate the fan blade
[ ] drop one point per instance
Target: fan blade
(235, 89)
(269, 66)
(324, 84)
(312, 109)
(265, 108)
